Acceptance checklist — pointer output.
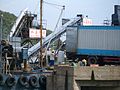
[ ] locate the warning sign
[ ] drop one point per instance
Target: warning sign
(35, 33)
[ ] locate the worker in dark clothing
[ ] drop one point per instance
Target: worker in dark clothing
(7, 53)
(7, 48)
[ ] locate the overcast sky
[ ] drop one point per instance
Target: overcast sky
(97, 10)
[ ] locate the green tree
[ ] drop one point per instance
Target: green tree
(8, 21)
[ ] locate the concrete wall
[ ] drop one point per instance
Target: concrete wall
(61, 79)
(97, 73)
(100, 88)
(84, 78)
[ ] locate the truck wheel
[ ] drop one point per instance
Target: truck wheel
(92, 60)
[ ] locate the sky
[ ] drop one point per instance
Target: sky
(97, 10)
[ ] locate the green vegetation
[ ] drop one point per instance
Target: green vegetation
(8, 21)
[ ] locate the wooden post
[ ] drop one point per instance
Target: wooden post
(41, 59)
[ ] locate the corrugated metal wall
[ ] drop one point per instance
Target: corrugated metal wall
(93, 40)
(99, 39)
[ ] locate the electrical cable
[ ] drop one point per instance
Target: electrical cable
(53, 4)
(35, 10)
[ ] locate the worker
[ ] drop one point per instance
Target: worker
(7, 53)
(7, 48)
(84, 61)
(80, 63)
(52, 58)
(48, 54)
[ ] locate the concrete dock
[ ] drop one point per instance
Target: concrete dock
(66, 77)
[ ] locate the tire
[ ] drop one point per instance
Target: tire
(23, 80)
(92, 60)
(42, 81)
(10, 81)
(33, 81)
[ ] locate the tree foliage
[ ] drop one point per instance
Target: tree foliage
(8, 21)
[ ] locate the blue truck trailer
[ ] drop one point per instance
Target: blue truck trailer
(96, 44)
